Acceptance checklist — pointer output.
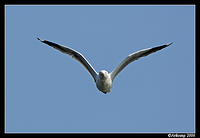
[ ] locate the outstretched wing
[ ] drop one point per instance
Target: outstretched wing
(74, 54)
(134, 56)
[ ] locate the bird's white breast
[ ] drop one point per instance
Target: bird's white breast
(104, 84)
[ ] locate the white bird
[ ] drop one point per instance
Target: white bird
(103, 79)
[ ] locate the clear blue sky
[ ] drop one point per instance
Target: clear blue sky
(48, 91)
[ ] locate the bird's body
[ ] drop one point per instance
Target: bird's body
(103, 79)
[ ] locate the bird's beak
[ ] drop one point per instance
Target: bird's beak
(101, 73)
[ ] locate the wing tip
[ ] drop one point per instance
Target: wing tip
(40, 39)
(169, 44)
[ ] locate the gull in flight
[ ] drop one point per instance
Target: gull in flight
(103, 79)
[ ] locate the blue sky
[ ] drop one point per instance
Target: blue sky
(48, 91)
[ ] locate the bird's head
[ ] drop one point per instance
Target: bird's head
(103, 74)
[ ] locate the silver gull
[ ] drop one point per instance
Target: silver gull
(103, 79)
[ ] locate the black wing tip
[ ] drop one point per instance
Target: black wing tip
(169, 44)
(166, 45)
(40, 39)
